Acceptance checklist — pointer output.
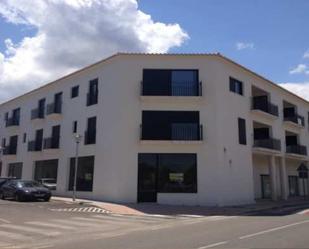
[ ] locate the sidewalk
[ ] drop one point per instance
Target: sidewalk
(159, 209)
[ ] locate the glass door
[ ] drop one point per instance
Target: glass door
(266, 186)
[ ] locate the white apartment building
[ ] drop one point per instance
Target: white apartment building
(192, 129)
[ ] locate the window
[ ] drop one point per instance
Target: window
(75, 127)
(242, 137)
(92, 96)
(46, 169)
(169, 173)
(85, 171)
(3, 142)
(25, 138)
(15, 170)
(90, 134)
(74, 91)
(236, 86)
(165, 82)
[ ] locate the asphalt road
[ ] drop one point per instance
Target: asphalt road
(64, 226)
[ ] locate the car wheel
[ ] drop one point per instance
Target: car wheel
(2, 196)
(17, 197)
(47, 199)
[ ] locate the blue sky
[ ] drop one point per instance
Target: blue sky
(272, 36)
(277, 28)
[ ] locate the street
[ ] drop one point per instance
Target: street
(63, 225)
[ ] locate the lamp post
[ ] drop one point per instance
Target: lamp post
(77, 138)
(1, 149)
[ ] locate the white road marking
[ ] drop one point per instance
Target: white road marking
(51, 225)
(273, 229)
(213, 245)
(30, 229)
(15, 236)
(4, 220)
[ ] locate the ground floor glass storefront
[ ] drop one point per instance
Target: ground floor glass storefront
(165, 173)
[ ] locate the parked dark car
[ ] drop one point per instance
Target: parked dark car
(3, 180)
(22, 190)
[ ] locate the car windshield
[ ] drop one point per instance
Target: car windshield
(49, 181)
(28, 184)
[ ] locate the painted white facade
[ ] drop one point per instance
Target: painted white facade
(227, 173)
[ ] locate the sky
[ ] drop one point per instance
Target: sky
(47, 39)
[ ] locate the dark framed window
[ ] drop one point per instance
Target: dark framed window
(74, 127)
(177, 173)
(15, 170)
(74, 92)
(85, 171)
(170, 82)
(242, 137)
(92, 96)
(46, 169)
(236, 86)
(90, 133)
(169, 172)
(3, 142)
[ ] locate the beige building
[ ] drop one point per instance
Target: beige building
(194, 129)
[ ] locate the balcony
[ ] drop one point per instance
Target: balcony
(269, 144)
(92, 99)
(172, 132)
(35, 145)
(54, 108)
(51, 143)
(90, 137)
(10, 150)
(297, 149)
(37, 114)
(179, 89)
(13, 121)
(295, 119)
(265, 106)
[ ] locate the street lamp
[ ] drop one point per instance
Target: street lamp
(1, 149)
(77, 138)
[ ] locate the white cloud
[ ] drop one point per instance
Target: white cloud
(300, 69)
(306, 55)
(74, 33)
(300, 89)
(244, 45)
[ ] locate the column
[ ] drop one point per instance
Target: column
(284, 179)
(273, 178)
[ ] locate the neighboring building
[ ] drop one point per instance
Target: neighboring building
(195, 129)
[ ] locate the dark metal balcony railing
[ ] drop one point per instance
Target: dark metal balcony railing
(90, 136)
(10, 150)
(265, 106)
(13, 121)
(269, 143)
(176, 89)
(297, 119)
(34, 145)
(54, 108)
(297, 149)
(37, 113)
(174, 131)
(92, 99)
(51, 143)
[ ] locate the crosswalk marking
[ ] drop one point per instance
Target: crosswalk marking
(81, 209)
(30, 229)
(52, 225)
